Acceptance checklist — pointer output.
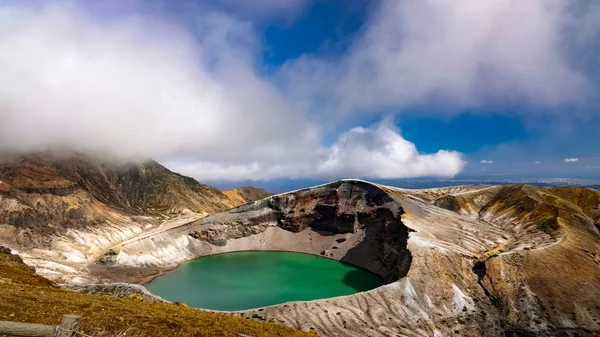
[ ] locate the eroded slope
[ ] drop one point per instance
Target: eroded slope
(62, 211)
(473, 261)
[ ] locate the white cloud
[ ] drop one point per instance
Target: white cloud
(137, 87)
(142, 88)
(381, 152)
(375, 152)
(462, 53)
(537, 162)
(571, 160)
(487, 161)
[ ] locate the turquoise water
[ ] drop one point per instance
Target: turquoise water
(246, 280)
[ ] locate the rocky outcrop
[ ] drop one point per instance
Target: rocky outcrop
(345, 207)
(510, 260)
(471, 261)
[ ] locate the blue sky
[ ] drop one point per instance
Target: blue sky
(234, 91)
(326, 28)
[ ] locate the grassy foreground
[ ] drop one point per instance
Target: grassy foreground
(28, 297)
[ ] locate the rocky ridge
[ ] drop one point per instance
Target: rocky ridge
(472, 261)
(245, 194)
(63, 211)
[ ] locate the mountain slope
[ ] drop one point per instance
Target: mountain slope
(513, 260)
(245, 194)
(72, 207)
(43, 194)
(137, 188)
(510, 260)
(27, 297)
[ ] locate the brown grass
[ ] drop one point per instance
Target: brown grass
(27, 297)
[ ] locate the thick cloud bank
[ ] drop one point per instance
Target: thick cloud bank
(139, 87)
(136, 89)
(375, 152)
(460, 53)
(381, 152)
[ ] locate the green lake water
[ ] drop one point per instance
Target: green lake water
(246, 280)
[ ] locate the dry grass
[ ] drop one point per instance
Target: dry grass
(27, 297)
(242, 195)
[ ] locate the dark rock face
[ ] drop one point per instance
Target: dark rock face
(385, 242)
(219, 235)
(337, 208)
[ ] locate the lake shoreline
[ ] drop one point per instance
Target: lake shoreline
(254, 279)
